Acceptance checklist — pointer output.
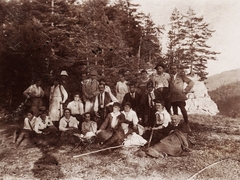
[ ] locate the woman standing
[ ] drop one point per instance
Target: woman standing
(121, 88)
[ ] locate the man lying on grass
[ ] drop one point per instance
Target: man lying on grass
(175, 144)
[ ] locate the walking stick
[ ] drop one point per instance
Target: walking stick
(150, 139)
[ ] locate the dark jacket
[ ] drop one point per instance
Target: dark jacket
(135, 102)
(177, 87)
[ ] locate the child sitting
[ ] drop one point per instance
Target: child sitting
(27, 131)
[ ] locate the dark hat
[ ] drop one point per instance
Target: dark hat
(144, 70)
(160, 64)
(117, 104)
(127, 104)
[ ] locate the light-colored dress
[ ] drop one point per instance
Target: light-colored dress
(57, 94)
(121, 90)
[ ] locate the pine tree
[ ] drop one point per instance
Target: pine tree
(187, 45)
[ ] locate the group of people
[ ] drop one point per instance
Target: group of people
(143, 107)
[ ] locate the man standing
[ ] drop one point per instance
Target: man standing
(147, 102)
(35, 93)
(102, 100)
(90, 90)
(58, 96)
(134, 98)
(161, 84)
(178, 92)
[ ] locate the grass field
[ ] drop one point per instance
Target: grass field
(215, 154)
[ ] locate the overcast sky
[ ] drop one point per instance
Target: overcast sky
(223, 17)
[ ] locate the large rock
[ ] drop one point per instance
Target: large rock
(199, 102)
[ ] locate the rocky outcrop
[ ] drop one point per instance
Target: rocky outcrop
(199, 101)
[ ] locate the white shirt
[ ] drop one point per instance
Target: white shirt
(34, 91)
(151, 97)
(40, 124)
(76, 107)
(96, 103)
(72, 123)
(27, 125)
(131, 116)
(164, 118)
(161, 80)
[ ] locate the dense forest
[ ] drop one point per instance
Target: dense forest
(227, 97)
(39, 38)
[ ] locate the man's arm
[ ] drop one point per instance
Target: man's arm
(189, 82)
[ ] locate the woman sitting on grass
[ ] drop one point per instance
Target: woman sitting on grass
(89, 127)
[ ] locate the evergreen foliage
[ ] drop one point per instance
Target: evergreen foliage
(43, 37)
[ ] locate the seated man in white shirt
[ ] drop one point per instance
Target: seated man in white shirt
(68, 122)
(77, 108)
(43, 124)
(69, 126)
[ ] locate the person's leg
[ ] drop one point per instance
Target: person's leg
(175, 108)
(21, 137)
(182, 105)
(34, 106)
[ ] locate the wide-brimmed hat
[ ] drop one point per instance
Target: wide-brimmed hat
(64, 73)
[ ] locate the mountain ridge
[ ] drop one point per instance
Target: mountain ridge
(226, 77)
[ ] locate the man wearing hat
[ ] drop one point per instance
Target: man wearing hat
(90, 90)
(161, 83)
(147, 102)
(58, 96)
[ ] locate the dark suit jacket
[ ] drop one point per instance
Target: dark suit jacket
(135, 102)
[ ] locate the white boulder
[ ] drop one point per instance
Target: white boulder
(199, 101)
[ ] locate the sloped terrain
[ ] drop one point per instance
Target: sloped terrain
(215, 143)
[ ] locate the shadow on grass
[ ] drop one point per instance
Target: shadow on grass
(47, 167)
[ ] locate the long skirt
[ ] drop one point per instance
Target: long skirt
(55, 109)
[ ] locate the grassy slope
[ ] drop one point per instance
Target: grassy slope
(217, 138)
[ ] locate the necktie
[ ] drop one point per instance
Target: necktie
(67, 124)
(151, 100)
(101, 99)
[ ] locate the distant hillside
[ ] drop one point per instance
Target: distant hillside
(227, 98)
(224, 78)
